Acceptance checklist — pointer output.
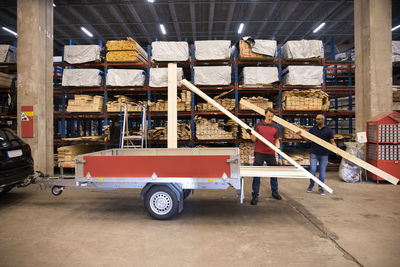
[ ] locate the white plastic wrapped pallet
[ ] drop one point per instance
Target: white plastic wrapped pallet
(8, 54)
(125, 77)
(264, 47)
(215, 75)
(169, 51)
(303, 49)
(159, 77)
(303, 75)
(82, 77)
(75, 54)
(395, 51)
(212, 50)
(260, 75)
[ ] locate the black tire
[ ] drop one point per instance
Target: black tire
(6, 189)
(57, 190)
(186, 193)
(161, 202)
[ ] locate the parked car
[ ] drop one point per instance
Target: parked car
(16, 163)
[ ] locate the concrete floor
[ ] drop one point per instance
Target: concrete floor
(358, 225)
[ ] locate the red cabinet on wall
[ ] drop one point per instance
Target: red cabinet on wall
(383, 147)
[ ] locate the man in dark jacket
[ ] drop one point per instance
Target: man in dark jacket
(269, 130)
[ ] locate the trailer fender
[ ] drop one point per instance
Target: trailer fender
(175, 187)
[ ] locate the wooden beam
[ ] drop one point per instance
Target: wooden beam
(260, 137)
(325, 144)
(172, 106)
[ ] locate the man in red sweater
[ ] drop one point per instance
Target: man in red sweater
(269, 130)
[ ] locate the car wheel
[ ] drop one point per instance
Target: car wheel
(161, 202)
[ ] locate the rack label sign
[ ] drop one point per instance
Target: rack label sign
(26, 121)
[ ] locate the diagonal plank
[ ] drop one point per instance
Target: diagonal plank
(325, 144)
(260, 137)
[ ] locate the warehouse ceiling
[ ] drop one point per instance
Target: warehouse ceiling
(196, 20)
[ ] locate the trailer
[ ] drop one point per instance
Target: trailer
(165, 176)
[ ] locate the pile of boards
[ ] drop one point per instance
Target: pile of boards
(312, 99)
(212, 130)
(125, 51)
(160, 133)
(5, 80)
(227, 103)
(86, 103)
(259, 101)
(302, 157)
(247, 152)
(183, 103)
(289, 134)
(132, 106)
(66, 154)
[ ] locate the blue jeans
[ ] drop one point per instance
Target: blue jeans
(259, 159)
(323, 162)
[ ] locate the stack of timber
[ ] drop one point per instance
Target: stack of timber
(86, 103)
(227, 103)
(244, 133)
(259, 101)
(183, 103)
(94, 138)
(5, 80)
(211, 130)
(289, 134)
(160, 133)
(312, 99)
(247, 152)
(125, 51)
(246, 53)
(132, 106)
(66, 154)
(302, 157)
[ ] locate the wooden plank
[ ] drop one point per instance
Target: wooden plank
(260, 137)
(172, 106)
(325, 144)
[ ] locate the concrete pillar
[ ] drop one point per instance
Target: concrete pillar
(373, 59)
(35, 76)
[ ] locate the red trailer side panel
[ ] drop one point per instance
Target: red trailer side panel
(163, 166)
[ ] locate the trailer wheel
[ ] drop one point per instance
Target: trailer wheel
(57, 190)
(161, 202)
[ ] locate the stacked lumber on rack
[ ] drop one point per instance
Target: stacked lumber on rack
(125, 51)
(227, 103)
(169, 51)
(183, 103)
(289, 134)
(66, 154)
(132, 106)
(160, 133)
(5, 80)
(303, 50)
(212, 50)
(312, 99)
(302, 157)
(76, 54)
(262, 50)
(245, 135)
(82, 77)
(86, 103)
(247, 152)
(8, 54)
(259, 101)
(84, 138)
(303, 75)
(260, 76)
(211, 130)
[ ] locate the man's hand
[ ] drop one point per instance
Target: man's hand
(248, 130)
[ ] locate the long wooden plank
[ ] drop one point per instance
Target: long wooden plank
(172, 106)
(260, 137)
(319, 141)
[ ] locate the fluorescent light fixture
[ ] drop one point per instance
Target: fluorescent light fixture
(319, 27)
(150, 1)
(395, 28)
(54, 5)
(163, 29)
(87, 32)
(240, 28)
(10, 31)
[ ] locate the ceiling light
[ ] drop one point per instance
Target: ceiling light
(240, 28)
(163, 29)
(54, 5)
(319, 27)
(10, 31)
(395, 28)
(87, 32)
(150, 1)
